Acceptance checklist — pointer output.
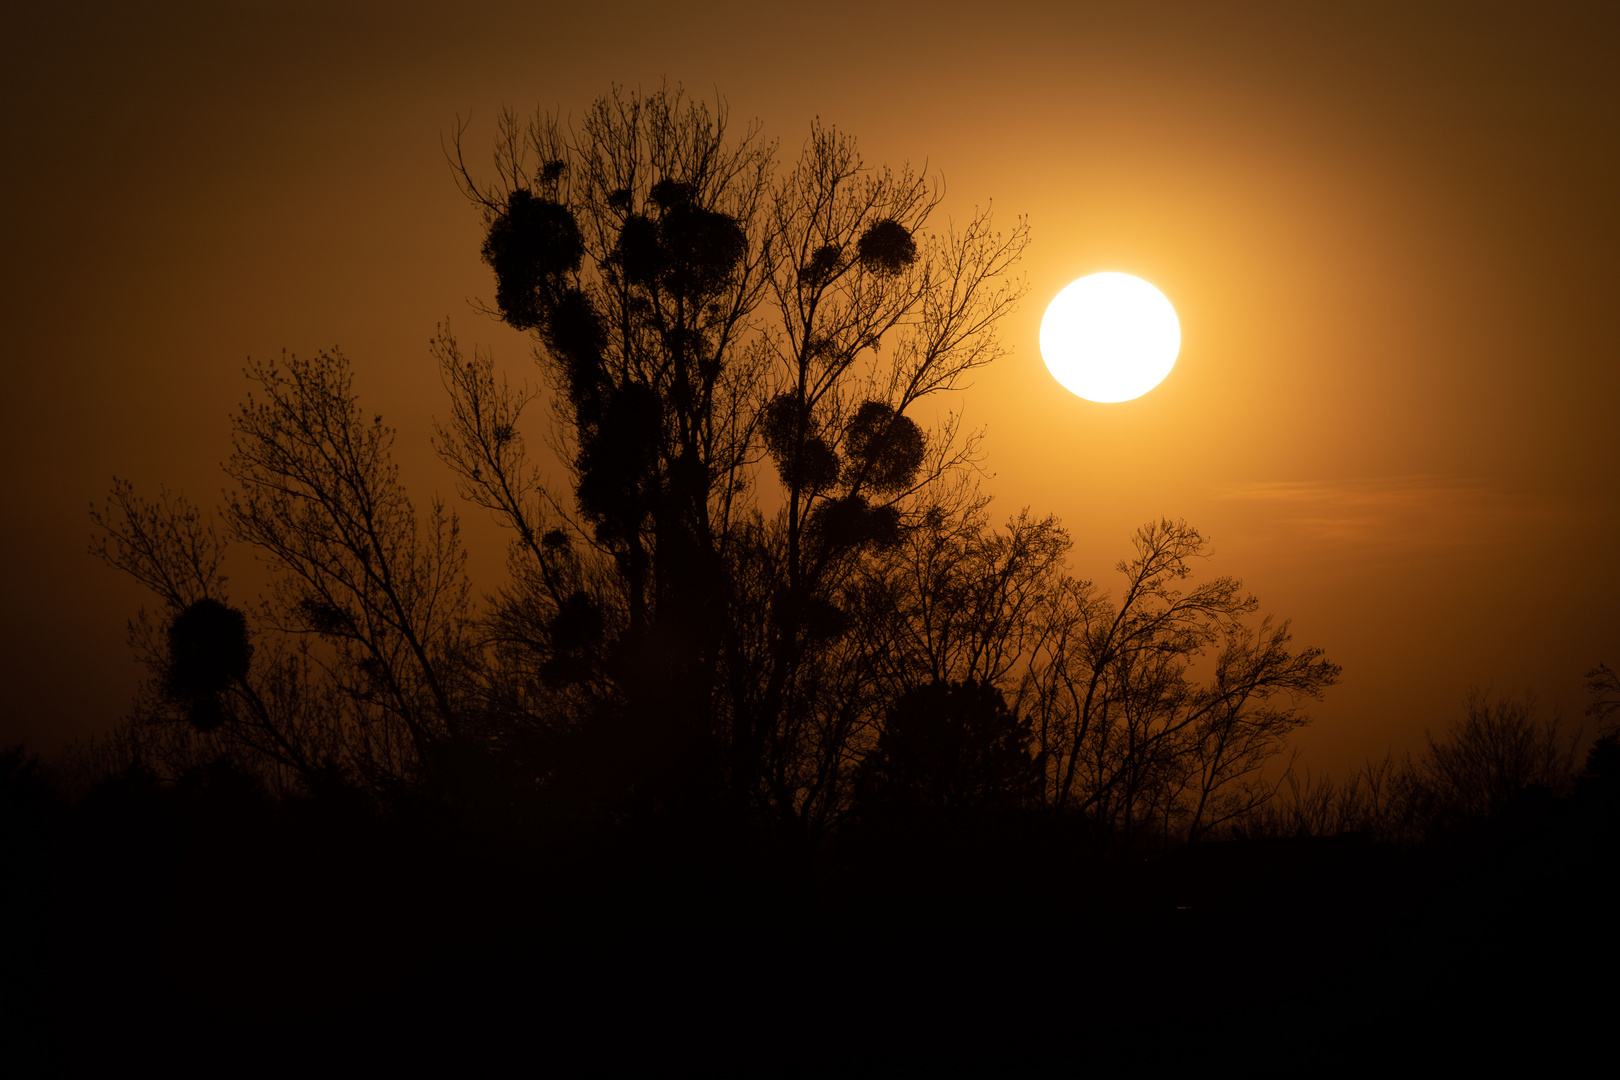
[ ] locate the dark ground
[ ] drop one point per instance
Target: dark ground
(206, 927)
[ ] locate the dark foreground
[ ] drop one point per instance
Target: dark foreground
(210, 928)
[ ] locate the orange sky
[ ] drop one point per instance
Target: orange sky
(1390, 232)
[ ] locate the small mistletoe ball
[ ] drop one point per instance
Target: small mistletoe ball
(886, 248)
(208, 647)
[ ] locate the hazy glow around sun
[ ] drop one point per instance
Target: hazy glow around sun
(1110, 337)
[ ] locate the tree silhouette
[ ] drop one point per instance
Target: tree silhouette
(1130, 734)
(1603, 686)
(763, 631)
(318, 493)
(354, 666)
(694, 314)
(1486, 760)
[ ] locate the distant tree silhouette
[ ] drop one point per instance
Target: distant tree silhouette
(1494, 757)
(1603, 684)
(1598, 785)
(1601, 775)
(1371, 803)
(1488, 758)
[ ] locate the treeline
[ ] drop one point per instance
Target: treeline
(1499, 760)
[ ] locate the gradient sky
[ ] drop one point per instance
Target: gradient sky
(1390, 232)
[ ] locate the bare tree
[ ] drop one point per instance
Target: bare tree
(1469, 774)
(216, 684)
(872, 321)
(319, 497)
(1153, 717)
(1495, 750)
(1371, 803)
(168, 545)
(357, 663)
(1147, 746)
(1603, 684)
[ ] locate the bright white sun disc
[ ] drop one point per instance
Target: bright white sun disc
(1110, 337)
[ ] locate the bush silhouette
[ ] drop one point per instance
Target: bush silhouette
(951, 747)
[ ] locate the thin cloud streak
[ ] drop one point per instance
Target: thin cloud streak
(1400, 514)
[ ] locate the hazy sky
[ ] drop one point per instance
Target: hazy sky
(1390, 231)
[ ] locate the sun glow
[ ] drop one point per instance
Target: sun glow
(1110, 337)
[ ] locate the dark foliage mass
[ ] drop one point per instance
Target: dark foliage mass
(688, 249)
(208, 651)
(208, 647)
(886, 449)
(887, 248)
(803, 458)
(531, 246)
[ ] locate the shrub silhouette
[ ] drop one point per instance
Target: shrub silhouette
(952, 747)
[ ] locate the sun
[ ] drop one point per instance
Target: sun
(1110, 337)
